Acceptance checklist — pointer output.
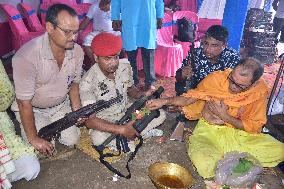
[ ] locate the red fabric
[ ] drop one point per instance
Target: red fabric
(106, 44)
(32, 19)
(21, 35)
(204, 24)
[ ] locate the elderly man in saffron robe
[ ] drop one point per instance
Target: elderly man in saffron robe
(231, 108)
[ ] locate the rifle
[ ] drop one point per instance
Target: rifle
(53, 130)
(139, 125)
(137, 105)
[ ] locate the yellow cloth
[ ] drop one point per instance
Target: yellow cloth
(209, 143)
(248, 106)
(85, 145)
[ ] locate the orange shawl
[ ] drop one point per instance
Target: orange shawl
(249, 106)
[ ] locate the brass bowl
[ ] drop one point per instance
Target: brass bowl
(169, 175)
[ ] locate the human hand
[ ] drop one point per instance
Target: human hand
(218, 108)
(186, 72)
(116, 25)
(217, 122)
(159, 23)
(150, 91)
(155, 103)
(81, 120)
(43, 146)
(128, 131)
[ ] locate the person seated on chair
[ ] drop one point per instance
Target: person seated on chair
(46, 72)
(23, 162)
(101, 83)
(213, 55)
(231, 108)
(100, 14)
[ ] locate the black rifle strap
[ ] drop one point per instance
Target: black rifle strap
(132, 155)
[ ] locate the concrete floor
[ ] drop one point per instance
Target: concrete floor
(77, 170)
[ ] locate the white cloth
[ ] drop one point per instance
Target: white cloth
(256, 4)
(101, 19)
(212, 9)
(7, 165)
(277, 103)
(280, 9)
(101, 23)
(27, 167)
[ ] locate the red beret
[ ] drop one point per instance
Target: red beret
(106, 44)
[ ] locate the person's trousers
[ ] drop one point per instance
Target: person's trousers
(44, 117)
(278, 26)
(148, 56)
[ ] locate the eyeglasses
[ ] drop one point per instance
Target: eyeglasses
(68, 33)
(241, 87)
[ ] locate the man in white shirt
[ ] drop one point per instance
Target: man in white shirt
(100, 14)
(278, 21)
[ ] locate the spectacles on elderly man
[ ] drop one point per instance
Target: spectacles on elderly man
(239, 86)
(67, 32)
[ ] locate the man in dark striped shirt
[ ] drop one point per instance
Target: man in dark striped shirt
(213, 55)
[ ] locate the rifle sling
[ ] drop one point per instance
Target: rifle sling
(132, 155)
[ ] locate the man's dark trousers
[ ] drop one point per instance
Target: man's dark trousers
(148, 65)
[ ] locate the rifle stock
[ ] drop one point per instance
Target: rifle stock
(53, 130)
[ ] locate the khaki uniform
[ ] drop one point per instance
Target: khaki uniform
(96, 86)
(38, 78)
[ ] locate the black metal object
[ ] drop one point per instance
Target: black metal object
(280, 72)
(259, 39)
(53, 130)
(276, 130)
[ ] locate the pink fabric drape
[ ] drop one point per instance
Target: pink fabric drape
(188, 5)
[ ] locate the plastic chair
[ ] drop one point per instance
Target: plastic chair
(168, 56)
(188, 5)
(21, 35)
(67, 2)
(204, 24)
(32, 19)
(194, 18)
(47, 3)
(42, 11)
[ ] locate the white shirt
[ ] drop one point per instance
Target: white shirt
(101, 19)
(280, 9)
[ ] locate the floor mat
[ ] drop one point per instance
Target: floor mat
(85, 145)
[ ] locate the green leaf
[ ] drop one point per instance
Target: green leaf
(243, 166)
